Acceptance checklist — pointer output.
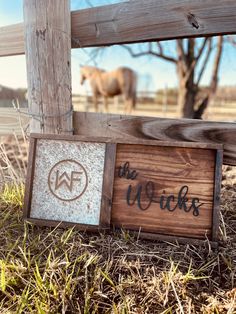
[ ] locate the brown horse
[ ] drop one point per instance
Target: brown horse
(109, 84)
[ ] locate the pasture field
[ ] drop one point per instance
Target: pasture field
(12, 122)
(151, 105)
(50, 270)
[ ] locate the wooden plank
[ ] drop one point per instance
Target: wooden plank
(110, 140)
(48, 53)
(168, 239)
(12, 40)
(166, 190)
(63, 224)
(145, 20)
(149, 128)
(107, 188)
(138, 21)
(29, 177)
(217, 190)
(12, 122)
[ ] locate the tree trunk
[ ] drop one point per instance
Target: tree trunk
(214, 82)
(187, 90)
(188, 56)
(186, 97)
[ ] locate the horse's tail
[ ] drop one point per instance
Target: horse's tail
(133, 89)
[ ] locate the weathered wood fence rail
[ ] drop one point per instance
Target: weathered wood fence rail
(137, 21)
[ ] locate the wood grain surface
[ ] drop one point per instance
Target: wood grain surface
(149, 128)
(11, 122)
(169, 169)
(12, 40)
(137, 21)
(147, 20)
(107, 187)
(48, 57)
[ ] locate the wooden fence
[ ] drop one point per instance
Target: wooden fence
(126, 23)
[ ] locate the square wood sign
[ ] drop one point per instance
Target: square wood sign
(159, 189)
(69, 181)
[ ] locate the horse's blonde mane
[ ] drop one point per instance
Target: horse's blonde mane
(91, 69)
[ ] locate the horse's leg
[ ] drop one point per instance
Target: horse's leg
(95, 101)
(134, 100)
(129, 105)
(125, 100)
(106, 104)
(128, 88)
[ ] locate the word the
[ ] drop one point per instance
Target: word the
(125, 172)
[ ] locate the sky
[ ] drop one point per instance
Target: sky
(153, 73)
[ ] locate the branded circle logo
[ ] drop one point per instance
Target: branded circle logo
(67, 180)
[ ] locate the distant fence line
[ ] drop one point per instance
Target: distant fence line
(155, 104)
(148, 104)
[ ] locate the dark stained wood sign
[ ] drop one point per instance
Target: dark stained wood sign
(158, 189)
(167, 190)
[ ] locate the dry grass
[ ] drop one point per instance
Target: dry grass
(45, 270)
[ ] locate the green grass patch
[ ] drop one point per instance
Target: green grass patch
(46, 270)
(12, 195)
(52, 270)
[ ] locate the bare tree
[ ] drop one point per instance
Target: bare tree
(189, 70)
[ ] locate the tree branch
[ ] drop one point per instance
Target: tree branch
(214, 81)
(149, 52)
(160, 55)
(232, 40)
(200, 51)
(209, 50)
(160, 47)
(196, 59)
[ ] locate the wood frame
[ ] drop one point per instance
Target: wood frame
(217, 189)
(106, 203)
(172, 239)
(107, 188)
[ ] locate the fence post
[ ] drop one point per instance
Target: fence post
(47, 28)
(165, 101)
